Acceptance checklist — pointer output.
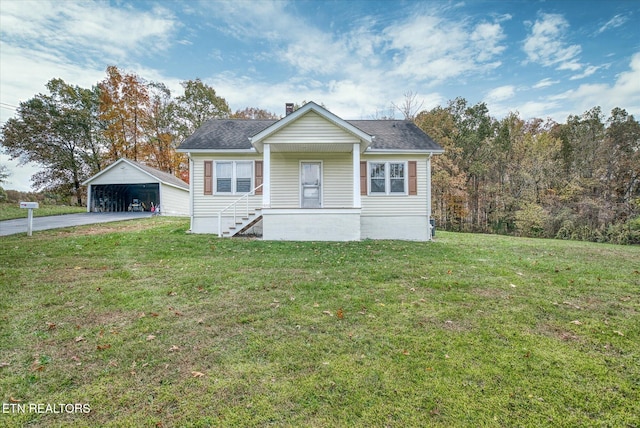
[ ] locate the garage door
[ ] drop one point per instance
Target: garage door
(124, 197)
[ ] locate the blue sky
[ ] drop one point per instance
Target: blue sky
(539, 58)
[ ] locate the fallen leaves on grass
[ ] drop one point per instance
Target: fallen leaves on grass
(619, 333)
(79, 339)
(571, 304)
(576, 322)
(14, 400)
(103, 347)
(340, 314)
(51, 326)
(174, 348)
(150, 337)
(568, 336)
(175, 312)
(197, 374)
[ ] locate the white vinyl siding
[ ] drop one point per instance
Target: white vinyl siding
(337, 176)
(123, 173)
(173, 201)
(312, 129)
(391, 205)
(209, 205)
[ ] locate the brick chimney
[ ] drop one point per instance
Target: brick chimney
(288, 108)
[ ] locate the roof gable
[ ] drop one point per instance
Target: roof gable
(153, 173)
(311, 107)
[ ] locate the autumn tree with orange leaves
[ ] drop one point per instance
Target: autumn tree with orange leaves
(124, 107)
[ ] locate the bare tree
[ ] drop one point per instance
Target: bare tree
(409, 107)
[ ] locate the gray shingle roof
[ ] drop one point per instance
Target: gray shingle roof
(165, 177)
(396, 135)
(221, 134)
(229, 134)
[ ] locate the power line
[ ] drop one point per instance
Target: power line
(8, 106)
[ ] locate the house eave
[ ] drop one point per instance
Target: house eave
(371, 151)
(209, 151)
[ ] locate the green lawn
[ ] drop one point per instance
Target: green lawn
(150, 326)
(10, 211)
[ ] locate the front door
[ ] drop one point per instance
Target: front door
(310, 183)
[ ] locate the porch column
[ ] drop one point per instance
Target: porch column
(357, 202)
(429, 196)
(266, 176)
(192, 211)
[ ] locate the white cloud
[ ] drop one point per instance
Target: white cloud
(540, 109)
(545, 44)
(545, 83)
(20, 175)
(24, 75)
(92, 28)
(433, 49)
(501, 93)
(586, 73)
(614, 22)
(623, 93)
(486, 38)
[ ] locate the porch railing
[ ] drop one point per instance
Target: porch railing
(234, 205)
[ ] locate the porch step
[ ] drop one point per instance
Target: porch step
(242, 225)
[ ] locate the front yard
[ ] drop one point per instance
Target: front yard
(144, 325)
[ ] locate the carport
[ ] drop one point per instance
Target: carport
(126, 185)
(124, 197)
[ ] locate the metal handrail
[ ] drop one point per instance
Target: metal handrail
(235, 208)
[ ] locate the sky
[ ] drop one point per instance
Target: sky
(545, 59)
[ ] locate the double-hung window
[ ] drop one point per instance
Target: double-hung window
(234, 176)
(388, 178)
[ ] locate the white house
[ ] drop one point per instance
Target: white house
(311, 176)
(126, 185)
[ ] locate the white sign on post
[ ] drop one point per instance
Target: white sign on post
(30, 206)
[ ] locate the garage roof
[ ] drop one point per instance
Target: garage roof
(156, 174)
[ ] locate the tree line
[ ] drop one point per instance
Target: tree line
(575, 180)
(538, 178)
(75, 132)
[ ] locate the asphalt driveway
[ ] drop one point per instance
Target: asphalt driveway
(11, 227)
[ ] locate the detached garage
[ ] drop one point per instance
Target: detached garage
(130, 186)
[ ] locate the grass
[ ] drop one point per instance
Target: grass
(10, 211)
(150, 326)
